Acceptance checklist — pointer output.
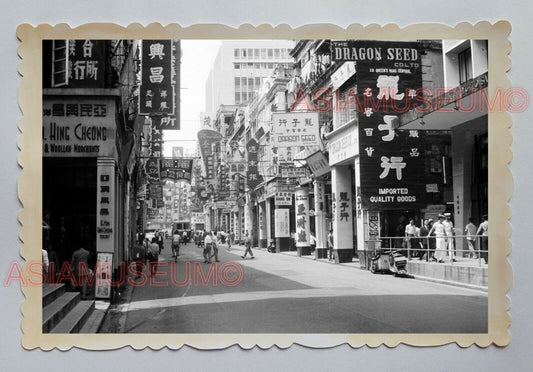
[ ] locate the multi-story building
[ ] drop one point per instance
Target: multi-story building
(91, 141)
(239, 67)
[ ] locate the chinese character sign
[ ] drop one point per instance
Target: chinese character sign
(151, 170)
(392, 163)
(301, 197)
(156, 93)
(176, 169)
(253, 177)
(295, 129)
(86, 67)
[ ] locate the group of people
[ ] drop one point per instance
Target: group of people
(213, 239)
(438, 238)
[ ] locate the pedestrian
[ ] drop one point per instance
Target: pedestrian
(153, 255)
(470, 230)
(483, 230)
(159, 236)
(424, 231)
(139, 258)
(330, 243)
(248, 240)
(46, 264)
(440, 238)
(312, 241)
(450, 235)
(208, 246)
(410, 233)
(231, 238)
(79, 264)
(215, 244)
(176, 244)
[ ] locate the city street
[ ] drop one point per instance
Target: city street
(280, 293)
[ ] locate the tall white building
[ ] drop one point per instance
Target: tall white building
(239, 68)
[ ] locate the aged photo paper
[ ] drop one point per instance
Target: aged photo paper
(334, 187)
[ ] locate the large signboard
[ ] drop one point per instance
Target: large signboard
(78, 127)
(176, 169)
(318, 164)
(344, 146)
(392, 162)
(86, 67)
(252, 175)
(151, 170)
(156, 94)
(295, 129)
(282, 223)
(301, 198)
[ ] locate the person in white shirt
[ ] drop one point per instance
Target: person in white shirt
(483, 230)
(209, 242)
(410, 233)
(450, 233)
(470, 230)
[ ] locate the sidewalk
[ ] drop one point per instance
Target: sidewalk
(465, 272)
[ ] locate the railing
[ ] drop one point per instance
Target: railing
(425, 247)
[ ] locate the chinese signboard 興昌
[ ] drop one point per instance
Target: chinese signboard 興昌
(156, 94)
(295, 129)
(74, 127)
(391, 162)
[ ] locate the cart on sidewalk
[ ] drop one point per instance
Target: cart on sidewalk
(387, 261)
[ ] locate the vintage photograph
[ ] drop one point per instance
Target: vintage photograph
(266, 186)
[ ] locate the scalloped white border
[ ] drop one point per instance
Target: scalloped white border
(500, 180)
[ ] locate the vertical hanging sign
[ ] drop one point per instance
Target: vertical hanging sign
(392, 164)
(156, 94)
(253, 176)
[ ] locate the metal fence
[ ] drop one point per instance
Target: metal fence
(424, 247)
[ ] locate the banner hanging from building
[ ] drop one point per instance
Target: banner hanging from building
(176, 169)
(156, 93)
(151, 170)
(392, 162)
(156, 140)
(87, 63)
(295, 129)
(252, 175)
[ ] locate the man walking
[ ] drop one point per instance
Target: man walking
(450, 234)
(208, 245)
(248, 243)
(483, 230)
(470, 230)
(153, 255)
(80, 267)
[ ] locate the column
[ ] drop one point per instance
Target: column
(268, 220)
(248, 219)
(341, 188)
(106, 226)
(261, 225)
(320, 219)
(301, 211)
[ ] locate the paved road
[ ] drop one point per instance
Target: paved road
(276, 293)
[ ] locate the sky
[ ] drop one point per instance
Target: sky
(197, 60)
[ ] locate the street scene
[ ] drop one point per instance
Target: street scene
(280, 293)
(265, 186)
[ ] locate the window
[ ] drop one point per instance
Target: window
(250, 83)
(257, 81)
(270, 66)
(465, 65)
(256, 53)
(250, 53)
(243, 81)
(276, 53)
(237, 53)
(59, 63)
(243, 53)
(237, 82)
(270, 54)
(283, 53)
(237, 66)
(237, 98)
